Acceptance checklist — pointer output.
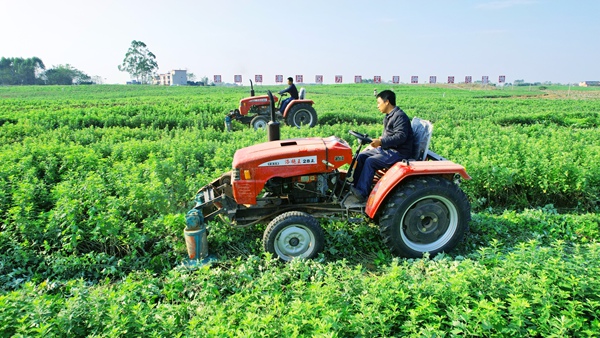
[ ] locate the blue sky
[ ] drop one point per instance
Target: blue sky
(533, 40)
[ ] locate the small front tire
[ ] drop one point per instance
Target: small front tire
(294, 234)
(259, 122)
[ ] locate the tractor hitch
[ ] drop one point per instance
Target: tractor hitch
(211, 200)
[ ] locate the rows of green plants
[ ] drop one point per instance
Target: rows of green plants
(532, 291)
(507, 143)
(95, 180)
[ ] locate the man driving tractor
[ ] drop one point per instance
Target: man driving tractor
(395, 144)
(292, 90)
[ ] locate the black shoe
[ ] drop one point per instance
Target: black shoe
(357, 194)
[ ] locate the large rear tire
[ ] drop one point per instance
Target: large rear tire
(426, 214)
(302, 115)
(294, 234)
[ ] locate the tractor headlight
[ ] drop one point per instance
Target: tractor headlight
(241, 174)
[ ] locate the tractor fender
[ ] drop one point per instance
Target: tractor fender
(397, 173)
(295, 102)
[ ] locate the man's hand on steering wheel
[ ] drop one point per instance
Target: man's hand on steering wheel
(362, 138)
(376, 143)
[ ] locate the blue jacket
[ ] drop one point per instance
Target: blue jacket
(292, 90)
(397, 133)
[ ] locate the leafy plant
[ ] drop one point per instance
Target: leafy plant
(95, 181)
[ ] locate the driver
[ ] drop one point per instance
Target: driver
(395, 144)
(291, 89)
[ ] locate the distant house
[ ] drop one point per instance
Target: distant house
(177, 77)
(589, 83)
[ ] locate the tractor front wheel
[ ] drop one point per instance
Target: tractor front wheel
(259, 122)
(426, 214)
(302, 115)
(294, 234)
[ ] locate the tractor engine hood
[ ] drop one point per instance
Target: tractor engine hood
(262, 100)
(255, 165)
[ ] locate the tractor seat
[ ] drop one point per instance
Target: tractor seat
(422, 131)
(301, 94)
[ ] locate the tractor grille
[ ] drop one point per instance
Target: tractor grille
(236, 174)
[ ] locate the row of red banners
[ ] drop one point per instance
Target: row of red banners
(358, 79)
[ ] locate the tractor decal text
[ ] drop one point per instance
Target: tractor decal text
(259, 100)
(291, 161)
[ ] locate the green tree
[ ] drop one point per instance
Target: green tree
(65, 75)
(6, 71)
(139, 62)
(19, 71)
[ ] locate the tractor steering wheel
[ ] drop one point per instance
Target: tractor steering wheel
(362, 138)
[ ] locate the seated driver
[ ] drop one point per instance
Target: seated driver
(291, 89)
(395, 144)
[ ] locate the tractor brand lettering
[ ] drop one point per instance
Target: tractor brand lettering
(291, 161)
(259, 100)
(338, 158)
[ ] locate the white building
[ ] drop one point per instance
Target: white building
(176, 77)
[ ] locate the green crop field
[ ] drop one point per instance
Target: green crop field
(95, 182)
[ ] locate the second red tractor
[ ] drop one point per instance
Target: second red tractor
(255, 111)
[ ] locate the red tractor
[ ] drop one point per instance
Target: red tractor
(255, 111)
(289, 184)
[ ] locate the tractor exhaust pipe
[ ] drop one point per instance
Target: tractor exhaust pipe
(251, 89)
(273, 130)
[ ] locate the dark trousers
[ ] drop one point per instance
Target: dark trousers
(284, 104)
(370, 161)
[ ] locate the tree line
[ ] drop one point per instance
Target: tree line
(32, 71)
(139, 62)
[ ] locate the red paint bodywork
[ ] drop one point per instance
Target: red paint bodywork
(295, 102)
(309, 156)
(399, 171)
(285, 158)
(247, 103)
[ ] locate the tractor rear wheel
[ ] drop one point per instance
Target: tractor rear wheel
(294, 234)
(259, 122)
(301, 115)
(426, 214)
